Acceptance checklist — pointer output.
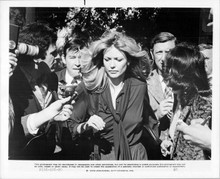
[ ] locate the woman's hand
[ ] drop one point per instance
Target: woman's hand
(95, 122)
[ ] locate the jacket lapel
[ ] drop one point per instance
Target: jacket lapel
(61, 75)
(154, 87)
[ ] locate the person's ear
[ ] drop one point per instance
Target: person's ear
(151, 54)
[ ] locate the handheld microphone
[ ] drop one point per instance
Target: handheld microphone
(74, 91)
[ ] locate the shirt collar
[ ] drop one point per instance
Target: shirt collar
(68, 78)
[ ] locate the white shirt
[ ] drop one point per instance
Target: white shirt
(68, 78)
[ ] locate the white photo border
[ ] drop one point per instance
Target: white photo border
(163, 169)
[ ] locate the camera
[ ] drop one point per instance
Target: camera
(13, 37)
(21, 47)
(28, 49)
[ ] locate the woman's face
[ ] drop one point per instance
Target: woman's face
(115, 63)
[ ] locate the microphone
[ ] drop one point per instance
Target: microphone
(74, 91)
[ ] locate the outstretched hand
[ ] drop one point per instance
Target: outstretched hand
(195, 133)
(62, 109)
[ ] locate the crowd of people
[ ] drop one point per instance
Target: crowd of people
(109, 102)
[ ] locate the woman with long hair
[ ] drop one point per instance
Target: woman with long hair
(114, 72)
(184, 72)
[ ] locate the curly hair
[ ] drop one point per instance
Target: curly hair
(184, 71)
(38, 34)
(139, 62)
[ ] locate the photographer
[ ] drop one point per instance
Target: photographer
(33, 88)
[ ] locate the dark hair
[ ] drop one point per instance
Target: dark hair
(184, 71)
(76, 43)
(161, 38)
(38, 34)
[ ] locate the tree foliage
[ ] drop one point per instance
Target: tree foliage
(135, 21)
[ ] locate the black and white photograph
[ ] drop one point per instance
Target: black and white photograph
(109, 89)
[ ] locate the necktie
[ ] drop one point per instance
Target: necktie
(168, 94)
(76, 79)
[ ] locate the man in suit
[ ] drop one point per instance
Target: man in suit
(158, 92)
(73, 146)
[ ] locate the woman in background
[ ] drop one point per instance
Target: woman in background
(185, 73)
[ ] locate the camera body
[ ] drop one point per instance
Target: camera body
(21, 47)
(13, 37)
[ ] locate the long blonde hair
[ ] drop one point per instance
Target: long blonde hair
(93, 71)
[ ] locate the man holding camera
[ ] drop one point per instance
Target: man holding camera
(33, 88)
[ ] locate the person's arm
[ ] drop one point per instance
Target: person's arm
(196, 133)
(58, 111)
(94, 122)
